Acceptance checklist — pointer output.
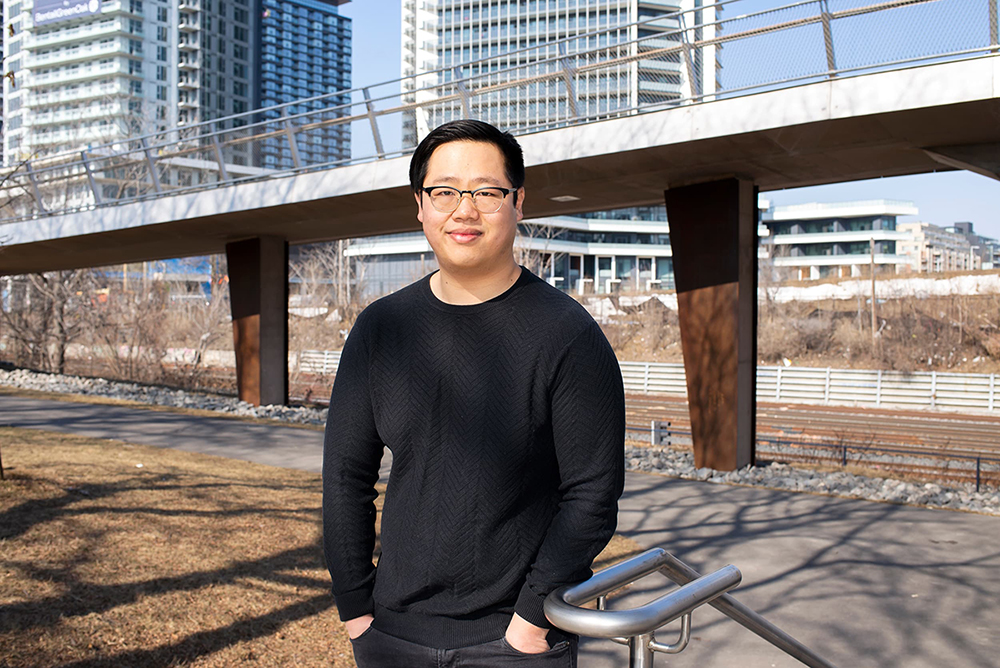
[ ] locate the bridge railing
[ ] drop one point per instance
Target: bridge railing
(656, 63)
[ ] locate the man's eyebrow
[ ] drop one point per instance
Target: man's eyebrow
(479, 180)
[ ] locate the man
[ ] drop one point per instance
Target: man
(502, 404)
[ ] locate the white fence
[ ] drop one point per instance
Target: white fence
(319, 361)
(807, 385)
(851, 387)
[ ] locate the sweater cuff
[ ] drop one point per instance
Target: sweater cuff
(351, 604)
(529, 608)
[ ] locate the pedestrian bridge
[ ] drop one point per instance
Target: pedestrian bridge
(814, 92)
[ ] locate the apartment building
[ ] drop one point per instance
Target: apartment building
(446, 40)
(85, 72)
(820, 240)
(934, 249)
(305, 53)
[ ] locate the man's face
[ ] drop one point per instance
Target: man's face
(465, 240)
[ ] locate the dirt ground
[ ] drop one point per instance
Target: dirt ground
(120, 555)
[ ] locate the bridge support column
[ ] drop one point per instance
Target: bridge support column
(713, 233)
(258, 294)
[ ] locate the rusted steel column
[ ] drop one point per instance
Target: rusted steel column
(713, 233)
(258, 295)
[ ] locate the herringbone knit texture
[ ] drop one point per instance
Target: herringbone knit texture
(506, 422)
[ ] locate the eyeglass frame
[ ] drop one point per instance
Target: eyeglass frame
(472, 196)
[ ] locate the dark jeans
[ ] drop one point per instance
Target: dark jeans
(374, 649)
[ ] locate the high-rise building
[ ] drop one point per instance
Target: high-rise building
(305, 53)
(442, 37)
(84, 72)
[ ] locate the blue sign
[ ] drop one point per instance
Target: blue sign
(50, 11)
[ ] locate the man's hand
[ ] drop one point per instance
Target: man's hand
(526, 637)
(359, 625)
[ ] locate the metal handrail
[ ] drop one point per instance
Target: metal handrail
(637, 626)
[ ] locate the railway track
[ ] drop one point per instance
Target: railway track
(939, 447)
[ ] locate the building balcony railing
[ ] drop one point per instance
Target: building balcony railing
(847, 236)
(77, 54)
(81, 93)
(76, 34)
(65, 76)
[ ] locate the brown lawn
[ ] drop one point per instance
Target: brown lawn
(186, 560)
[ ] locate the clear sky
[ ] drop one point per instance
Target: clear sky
(943, 198)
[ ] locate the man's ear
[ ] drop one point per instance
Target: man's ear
(520, 203)
(420, 208)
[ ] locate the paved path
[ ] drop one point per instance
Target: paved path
(864, 584)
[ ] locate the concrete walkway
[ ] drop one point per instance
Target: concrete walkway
(863, 584)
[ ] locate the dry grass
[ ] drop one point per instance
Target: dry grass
(188, 560)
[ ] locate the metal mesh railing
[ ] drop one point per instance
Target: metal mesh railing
(661, 61)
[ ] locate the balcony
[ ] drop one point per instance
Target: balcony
(189, 45)
(185, 103)
(188, 84)
(188, 65)
(64, 76)
(81, 93)
(189, 26)
(73, 115)
(76, 54)
(189, 6)
(75, 34)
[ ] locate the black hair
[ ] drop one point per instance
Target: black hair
(468, 130)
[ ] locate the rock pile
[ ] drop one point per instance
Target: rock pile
(666, 461)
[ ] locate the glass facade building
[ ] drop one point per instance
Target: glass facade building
(305, 52)
(442, 41)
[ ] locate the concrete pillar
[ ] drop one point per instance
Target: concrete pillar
(713, 233)
(258, 293)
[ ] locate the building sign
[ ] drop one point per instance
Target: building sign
(50, 11)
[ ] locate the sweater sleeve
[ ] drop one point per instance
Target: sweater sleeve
(352, 453)
(588, 423)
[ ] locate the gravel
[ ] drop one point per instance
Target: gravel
(666, 461)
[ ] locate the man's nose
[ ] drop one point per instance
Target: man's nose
(465, 206)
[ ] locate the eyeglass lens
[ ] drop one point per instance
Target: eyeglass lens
(486, 200)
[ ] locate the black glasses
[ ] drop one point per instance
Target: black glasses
(486, 200)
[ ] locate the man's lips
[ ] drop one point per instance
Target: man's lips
(464, 236)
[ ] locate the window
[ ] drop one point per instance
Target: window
(240, 33)
(135, 26)
(240, 70)
(161, 14)
(161, 92)
(135, 47)
(135, 87)
(161, 54)
(239, 88)
(161, 33)
(240, 52)
(161, 73)
(135, 6)
(240, 15)
(135, 67)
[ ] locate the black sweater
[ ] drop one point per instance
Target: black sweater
(506, 422)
